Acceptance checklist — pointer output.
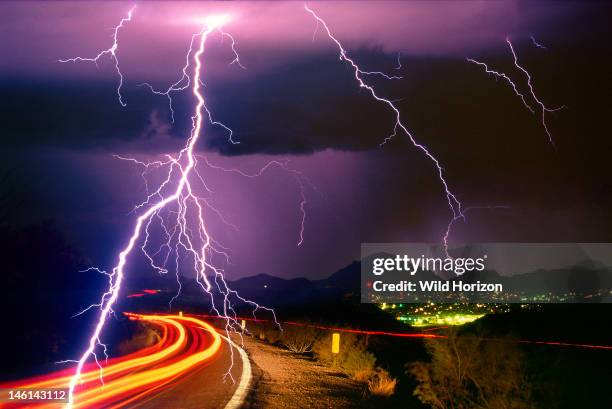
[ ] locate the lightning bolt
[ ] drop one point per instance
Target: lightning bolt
(299, 177)
(537, 44)
(453, 202)
(544, 108)
(184, 80)
(173, 201)
(399, 61)
(497, 74)
(505, 77)
(454, 220)
(111, 51)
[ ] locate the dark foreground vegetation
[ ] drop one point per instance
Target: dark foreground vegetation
(475, 366)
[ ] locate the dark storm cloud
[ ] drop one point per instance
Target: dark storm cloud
(302, 100)
(314, 104)
(307, 106)
(76, 114)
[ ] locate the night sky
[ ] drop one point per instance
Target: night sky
(61, 124)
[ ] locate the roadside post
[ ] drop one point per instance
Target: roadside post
(335, 346)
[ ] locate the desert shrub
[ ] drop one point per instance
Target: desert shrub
(359, 365)
(471, 372)
(353, 358)
(256, 330)
(382, 384)
(299, 339)
(270, 333)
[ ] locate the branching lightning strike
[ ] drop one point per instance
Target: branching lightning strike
(173, 201)
(505, 77)
(112, 52)
(299, 177)
(454, 220)
(537, 44)
(453, 203)
(543, 108)
(184, 81)
(399, 61)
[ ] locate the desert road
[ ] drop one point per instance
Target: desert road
(186, 368)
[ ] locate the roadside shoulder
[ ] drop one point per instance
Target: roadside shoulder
(283, 379)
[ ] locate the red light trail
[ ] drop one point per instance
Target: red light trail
(425, 333)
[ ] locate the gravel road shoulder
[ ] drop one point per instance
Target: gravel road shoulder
(282, 379)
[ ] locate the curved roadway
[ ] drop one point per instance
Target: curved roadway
(187, 368)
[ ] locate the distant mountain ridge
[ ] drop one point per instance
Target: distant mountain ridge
(346, 284)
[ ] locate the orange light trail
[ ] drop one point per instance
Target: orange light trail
(185, 344)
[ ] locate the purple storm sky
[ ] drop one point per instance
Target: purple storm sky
(363, 193)
(153, 44)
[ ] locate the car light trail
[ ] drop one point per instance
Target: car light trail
(338, 329)
(567, 344)
(424, 333)
(186, 343)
